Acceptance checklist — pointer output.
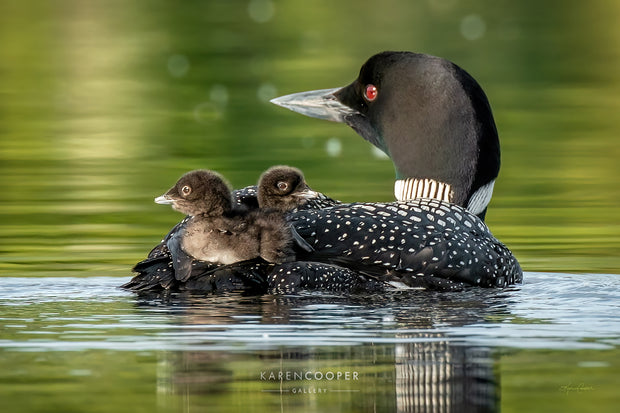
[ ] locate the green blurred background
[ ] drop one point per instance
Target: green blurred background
(104, 104)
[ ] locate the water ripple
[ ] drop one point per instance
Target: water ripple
(559, 311)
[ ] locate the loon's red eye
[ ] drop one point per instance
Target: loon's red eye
(371, 92)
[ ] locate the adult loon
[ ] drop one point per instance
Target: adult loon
(428, 115)
(435, 122)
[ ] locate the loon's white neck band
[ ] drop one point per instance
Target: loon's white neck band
(412, 188)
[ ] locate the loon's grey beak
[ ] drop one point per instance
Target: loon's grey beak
(164, 200)
(321, 104)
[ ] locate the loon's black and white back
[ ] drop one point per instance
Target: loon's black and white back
(420, 243)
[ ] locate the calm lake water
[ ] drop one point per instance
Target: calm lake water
(82, 344)
(103, 105)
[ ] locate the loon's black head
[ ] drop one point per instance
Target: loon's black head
(199, 192)
(429, 115)
(283, 188)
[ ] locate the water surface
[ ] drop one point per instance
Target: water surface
(63, 337)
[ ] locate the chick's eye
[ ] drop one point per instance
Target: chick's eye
(371, 92)
(282, 186)
(186, 190)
